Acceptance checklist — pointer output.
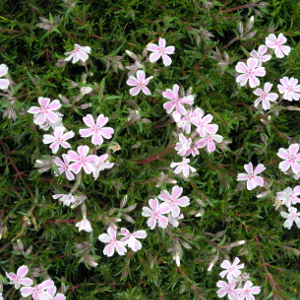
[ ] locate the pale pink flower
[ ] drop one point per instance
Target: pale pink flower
(139, 83)
(261, 55)
(64, 166)
(248, 291)
(289, 196)
(58, 138)
(265, 96)
(19, 278)
(45, 126)
(176, 116)
(202, 123)
(184, 145)
(160, 50)
(232, 270)
(79, 53)
(66, 199)
(291, 217)
(291, 158)
(252, 179)
(176, 102)
(96, 129)
(39, 291)
(156, 213)
(250, 72)
(277, 44)
(227, 289)
(45, 112)
(112, 243)
(131, 238)
(4, 83)
(183, 167)
(174, 201)
(52, 292)
(84, 225)
(185, 122)
(210, 139)
(289, 88)
(174, 221)
(100, 165)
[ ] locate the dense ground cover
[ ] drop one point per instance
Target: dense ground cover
(222, 220)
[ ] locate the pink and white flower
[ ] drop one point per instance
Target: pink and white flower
(79, 53)
(39, 291)
(176, 102)
(265, 96)
(131, 238)
(161, 51)
(19, 278)
(290, 88)
(291, 217)
(112, 243)
(174, 201)
(139, 83)
(85, 225)
(96, 129)
(210, 139)
(250, 71)
(45, 112)
(185, 122)
(183, 167)
(156, 212)
(174, 221)
(4, 83)
(291, 158)
(261, 55)
(248, 291)
(58, 296)
(81, 160)
(202, 122)
(277, 44)
(58, 138)
(66, 199)
(252, 179)
(227, 289)
(64, 166)
(289, 196)
(184, 145)
(100, 165)
(232, 270)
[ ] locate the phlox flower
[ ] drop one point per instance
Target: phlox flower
(19, 278)
(227, 289)
(66, 199)
(202, 122)
(185, 122)
(52, 292)
(291, 158)
(184, 145)
(290, 88)
(100, 165)
(176, 102)
(252, 179)
(232, 270)
(250, 71)
(183, 167)
(45, 112)
(58, 138)
(156, 212)
(39, 291)
(291, 217)
(79, 53)
(265, 96)
(4, 83)
(45, 126)
(210, 139)
(277, 44)
(248, 291)
(84, 225)
(139, 83)
(174, 221)
(261, 55)
(131, 238)
(81, 160)
(174, 201)
(63, 166)
(96, 129)
(112, 243)
(289, 196)
(160, 51)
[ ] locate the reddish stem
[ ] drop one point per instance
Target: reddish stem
(155, 157)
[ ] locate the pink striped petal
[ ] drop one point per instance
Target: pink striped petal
(169, 106)
(251, 184)
(104, 238)
(89, 120)
(260, 168)
(109, 250)
(176, 191)
(153, 57)
(170, 49)
(46, 284)
(43, 101)
(76, 167)
(241, 67)
(4, 83)
(242, 176)
(112, 232)
(83, 150)
(152, 47)
(140, 75)
(166, 60)
(249, 168)
(135, 91)
(120, 248)
(293, 149)
(146, 91)
(151, 222)
(162, 221)
(86, 132)
(162, 42)
(54, 105)
(97, 139)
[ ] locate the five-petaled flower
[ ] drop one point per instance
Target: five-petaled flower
(232, 270)
(139, 83)
(100, 165)
(96, 129)
(58, 296)
(85, 225)
(63, 166)
(210, 139)
(66, 199)
(277, 44)
(291, 158)
(112, 243)
(227, 289)
(265, 96)
(131, 238)
(248, 291)
(289, 196)
(4, 83)
(79, 53)
(183, 167)
(291, 217)
(19, 278)
(184, 145)
(39, 291)
(252, 179)
(45, 112)
(261, 55)
(81, 160)
(290, 88)
(156, 213)
(160, 50)
(202, 122)
(251, 70)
